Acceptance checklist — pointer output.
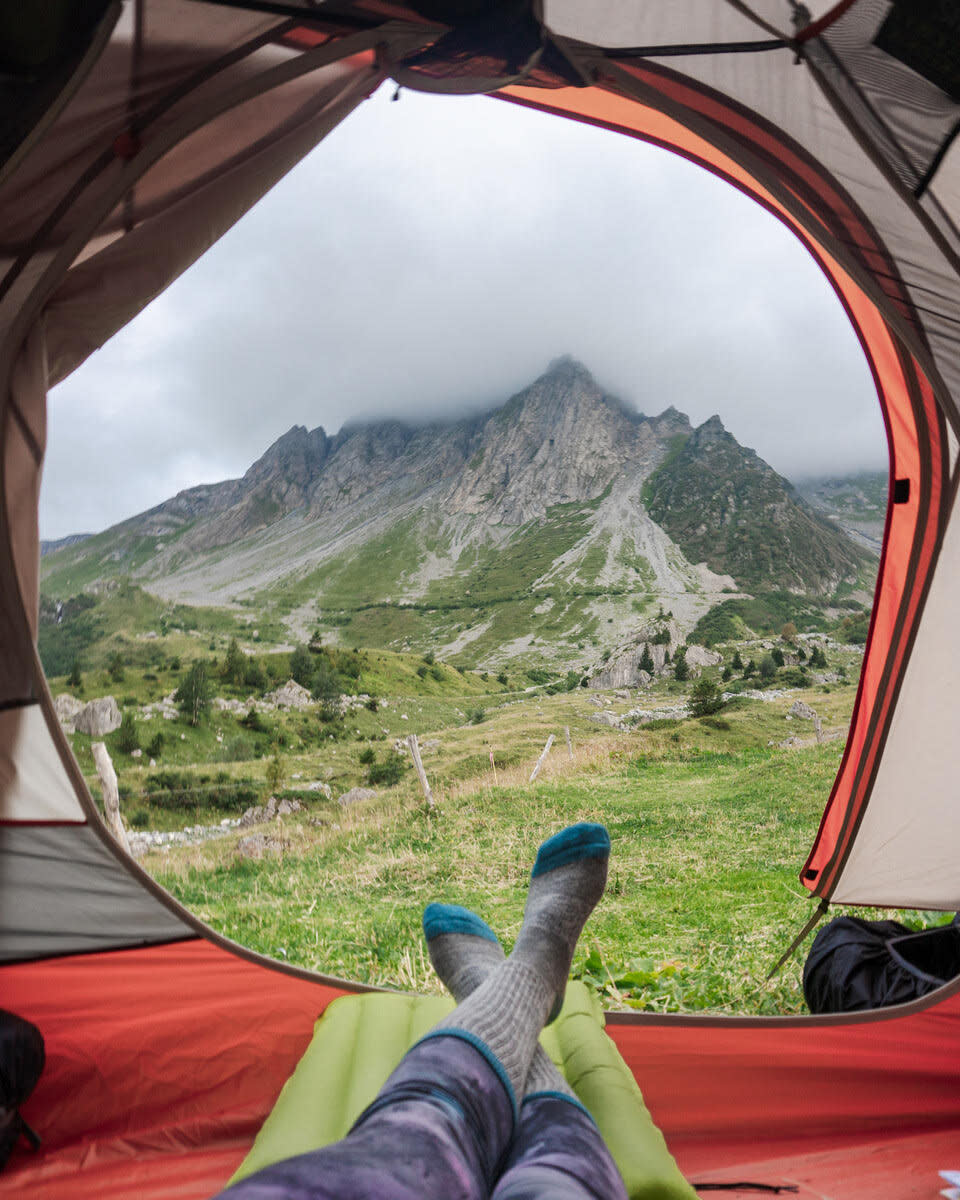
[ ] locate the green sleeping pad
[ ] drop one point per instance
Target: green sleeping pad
(360, 1039)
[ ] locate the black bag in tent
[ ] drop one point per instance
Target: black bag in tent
(21, 1061)
(854, 965)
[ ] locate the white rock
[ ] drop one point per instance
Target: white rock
(354, 795)
(99, 717)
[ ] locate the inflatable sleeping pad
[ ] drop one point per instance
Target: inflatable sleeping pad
(360, 1039)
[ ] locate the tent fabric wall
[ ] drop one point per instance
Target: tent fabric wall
(161, 1066)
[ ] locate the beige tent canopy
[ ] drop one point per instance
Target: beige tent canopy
(135, 134)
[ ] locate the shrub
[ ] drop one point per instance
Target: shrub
(422, 670)
(681, 672)
(127, 739)
(777, 656)
(253, 721)
(436, 672)
(503, 679)
(386, 773)
(736, 662)
(276, 770)
(234, 664)
(428, 658)
(367, 756)
(705, 698)
(767, 668)
(139, 819)
(154, 747)
(115, 666)
(302, 666)
(253, 675)
(795, 677)
(373, 703)
(75, 678)
(477, 716)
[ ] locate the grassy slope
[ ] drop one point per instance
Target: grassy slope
(710, 825)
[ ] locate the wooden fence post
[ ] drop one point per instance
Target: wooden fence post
(494, 765)
(543, 754)
(566, 734)
(111, 793)
(418, 763)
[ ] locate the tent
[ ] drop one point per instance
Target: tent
(133, 135)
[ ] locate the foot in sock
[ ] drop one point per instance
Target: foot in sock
(508, 1010)
(464, 950)
(566, 882)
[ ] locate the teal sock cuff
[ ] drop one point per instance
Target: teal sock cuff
(551, 1095)
(484, 1050)
(453, 918)
(586, 840)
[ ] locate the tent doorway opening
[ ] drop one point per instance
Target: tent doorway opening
(486, 645)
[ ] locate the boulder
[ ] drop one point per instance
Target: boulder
(290, 695)
(700, 656)
(322, 788)
(67, 707)
(607, 718)
(273, 808)
(355, 795)
(803, 711)
(98, 718)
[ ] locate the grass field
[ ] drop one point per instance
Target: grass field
(710, 825)
(711, 818)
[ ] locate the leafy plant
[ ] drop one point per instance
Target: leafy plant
(126, 739)
(386, 773)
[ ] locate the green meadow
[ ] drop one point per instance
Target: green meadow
(711, 817)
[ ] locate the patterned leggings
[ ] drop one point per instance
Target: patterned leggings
(443, 1128)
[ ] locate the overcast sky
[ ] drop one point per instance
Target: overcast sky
(432, 256)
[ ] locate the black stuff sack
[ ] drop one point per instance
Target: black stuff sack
(21, 1062)
(855, 965)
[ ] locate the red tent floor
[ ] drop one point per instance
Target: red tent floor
(163, 1062)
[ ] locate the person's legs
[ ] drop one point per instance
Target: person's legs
(557, 1152)
(443, 1122)
(438, 1130)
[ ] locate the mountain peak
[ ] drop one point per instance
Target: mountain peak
(569, 367)
(712, 427)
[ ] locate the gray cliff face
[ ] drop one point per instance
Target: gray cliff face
(560, 440)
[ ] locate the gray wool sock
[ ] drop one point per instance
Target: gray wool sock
(508, 1010)
(464, 950)
(462, 947)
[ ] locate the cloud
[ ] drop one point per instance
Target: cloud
(431, 257)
